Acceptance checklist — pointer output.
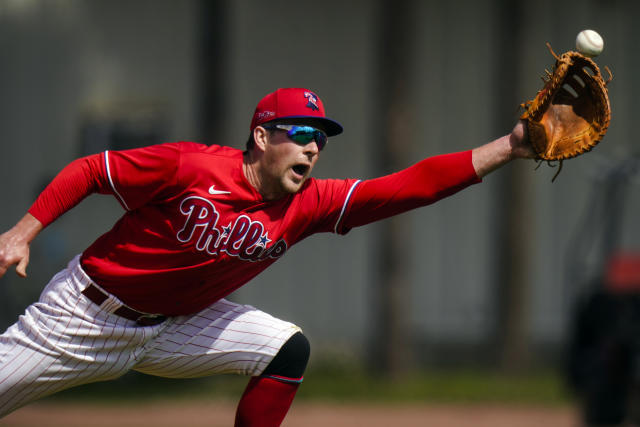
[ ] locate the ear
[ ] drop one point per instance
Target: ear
(260, 136)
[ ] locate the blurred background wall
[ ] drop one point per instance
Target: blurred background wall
(481, 276)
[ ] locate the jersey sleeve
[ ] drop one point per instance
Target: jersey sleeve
(424, 183)
(134, 177)
(324, 204)
(140, 175)
(72, 184)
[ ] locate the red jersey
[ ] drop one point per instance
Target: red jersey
(195, 229)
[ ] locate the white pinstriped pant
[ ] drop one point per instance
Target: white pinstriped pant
(65, 340)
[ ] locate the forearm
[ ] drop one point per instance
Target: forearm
(491, 156)
(26, 229)
(433, 179)
(419, 185)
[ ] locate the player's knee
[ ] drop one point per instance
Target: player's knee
(291, 361)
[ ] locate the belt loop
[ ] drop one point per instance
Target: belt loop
(111, 304)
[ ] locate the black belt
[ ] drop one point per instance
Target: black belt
(97, 296)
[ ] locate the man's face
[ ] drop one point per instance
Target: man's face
(286, 164)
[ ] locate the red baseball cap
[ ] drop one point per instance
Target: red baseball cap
(297, 105)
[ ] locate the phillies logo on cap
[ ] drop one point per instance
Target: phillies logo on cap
(300, 104)
(312, 101)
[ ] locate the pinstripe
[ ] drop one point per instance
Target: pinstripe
(118, 364)
(239, 338)
(227, 330)
(80, 373)
(220, 367)
(127, 339)
(218, 339)
(25, 387)
(174, 362)
(181, 365)
(195, 367)
(202, 345)
(115, 335)
(80, 366)
(5, 395)
(9, 334)
(238, 331)
(260, 321)
(77, 326)
(17, 356)
(62, 359)
(234, 361)
(65, 340)
(276, 326)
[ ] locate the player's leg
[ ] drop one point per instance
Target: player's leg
(224, 338)
(232, 338)
(62, 341)
(267, 398)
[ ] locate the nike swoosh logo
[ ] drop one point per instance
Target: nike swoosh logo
(213, 191)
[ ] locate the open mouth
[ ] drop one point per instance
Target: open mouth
(300, 169)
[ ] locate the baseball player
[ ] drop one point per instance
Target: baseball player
(199, 222)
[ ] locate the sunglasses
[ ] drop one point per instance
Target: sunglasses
(303, 134)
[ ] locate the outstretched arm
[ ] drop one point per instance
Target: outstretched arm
(14, 245)
(491, 156)
(432, 179)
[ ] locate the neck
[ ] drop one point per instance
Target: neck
(252, 171)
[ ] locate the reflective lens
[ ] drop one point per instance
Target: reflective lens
(304, 134)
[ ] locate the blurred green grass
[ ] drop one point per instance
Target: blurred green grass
(466, 386)
(455, 386)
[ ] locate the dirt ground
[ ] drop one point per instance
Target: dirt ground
(307, 414)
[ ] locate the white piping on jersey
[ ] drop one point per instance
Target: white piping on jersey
(346, 202)
(106, 163)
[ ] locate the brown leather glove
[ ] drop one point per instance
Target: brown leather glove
(571, 113)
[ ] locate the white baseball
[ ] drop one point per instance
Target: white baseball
(589, 43)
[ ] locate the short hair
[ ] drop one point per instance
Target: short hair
(252, 142)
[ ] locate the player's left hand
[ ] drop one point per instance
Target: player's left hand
(520, 146)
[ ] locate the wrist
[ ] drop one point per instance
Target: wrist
(27, 228)
(520, 148)
(511, 143)
(491, 156)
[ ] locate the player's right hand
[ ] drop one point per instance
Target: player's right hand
(14, 245)
(13, 251)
